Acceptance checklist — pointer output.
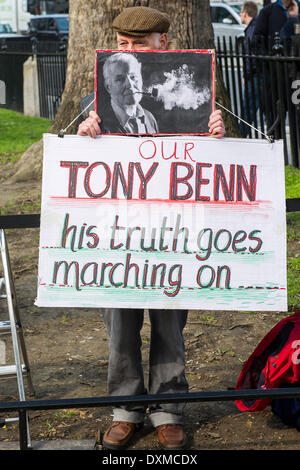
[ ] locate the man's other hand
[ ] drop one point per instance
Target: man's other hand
(293, 9)
(90, 126)
(216, 124)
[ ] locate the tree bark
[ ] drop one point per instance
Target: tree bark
(90, 29)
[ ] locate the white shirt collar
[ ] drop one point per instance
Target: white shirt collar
(123, 117)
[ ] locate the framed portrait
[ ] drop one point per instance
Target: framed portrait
(154, 92)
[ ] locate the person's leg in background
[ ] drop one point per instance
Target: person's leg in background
(250, 104)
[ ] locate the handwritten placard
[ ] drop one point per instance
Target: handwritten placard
(164, 222)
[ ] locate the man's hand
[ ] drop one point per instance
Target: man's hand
(293, 9)
(90, 126)
(216, 124)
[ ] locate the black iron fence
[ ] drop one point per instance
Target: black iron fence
(262, 81)
(51, 59)
(51, 77)
(13, 54)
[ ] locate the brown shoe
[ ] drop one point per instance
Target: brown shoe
(119, 434)
(171, 436)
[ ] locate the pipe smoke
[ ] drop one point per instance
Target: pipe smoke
(180, 90)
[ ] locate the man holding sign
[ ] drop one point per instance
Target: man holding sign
(143, 28)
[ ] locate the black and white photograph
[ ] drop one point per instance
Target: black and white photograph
(154, 92)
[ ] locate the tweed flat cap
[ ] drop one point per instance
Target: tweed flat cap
(139, 21)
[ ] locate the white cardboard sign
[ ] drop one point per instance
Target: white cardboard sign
(163, 222)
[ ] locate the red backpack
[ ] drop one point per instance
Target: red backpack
(275, 361)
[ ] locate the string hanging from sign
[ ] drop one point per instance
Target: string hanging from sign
(63, 131)
(268, 137)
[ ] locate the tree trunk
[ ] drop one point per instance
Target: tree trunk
(90, 29)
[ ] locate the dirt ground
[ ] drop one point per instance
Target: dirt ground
(68, 351)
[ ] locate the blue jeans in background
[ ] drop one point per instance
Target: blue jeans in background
(251, 102)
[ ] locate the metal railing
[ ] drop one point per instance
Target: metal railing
(94, 402)
(259, 82)
(51, 59)
(23, 407)
(259, 79)
(51, 78)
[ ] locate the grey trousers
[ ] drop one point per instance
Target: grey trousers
(166, 362)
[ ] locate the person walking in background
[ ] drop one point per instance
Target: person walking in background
(270, 23)
(252, 87)
(290, 28)
(272, 17)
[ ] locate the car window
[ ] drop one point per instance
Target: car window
(41, 25)
(63, 24)
(51, 23)
(33, 25)
(221, 14)
(5, 28)
(237, 8)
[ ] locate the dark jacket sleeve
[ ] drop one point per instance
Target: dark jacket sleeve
(88, 103)
(262, 24)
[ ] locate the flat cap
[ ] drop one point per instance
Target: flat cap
(139, 21)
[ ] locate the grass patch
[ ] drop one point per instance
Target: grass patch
(293, 235)
(292, 188)
(292, 182)
(208, 319)
(293, 282)
(25, 206)
(293, 219)
(65, 414)
(18, 133)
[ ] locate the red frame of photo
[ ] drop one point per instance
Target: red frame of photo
(201, 51)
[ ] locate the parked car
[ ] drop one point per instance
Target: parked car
(225, 18)
(7, 36)
(5, 28)
(49, 28)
